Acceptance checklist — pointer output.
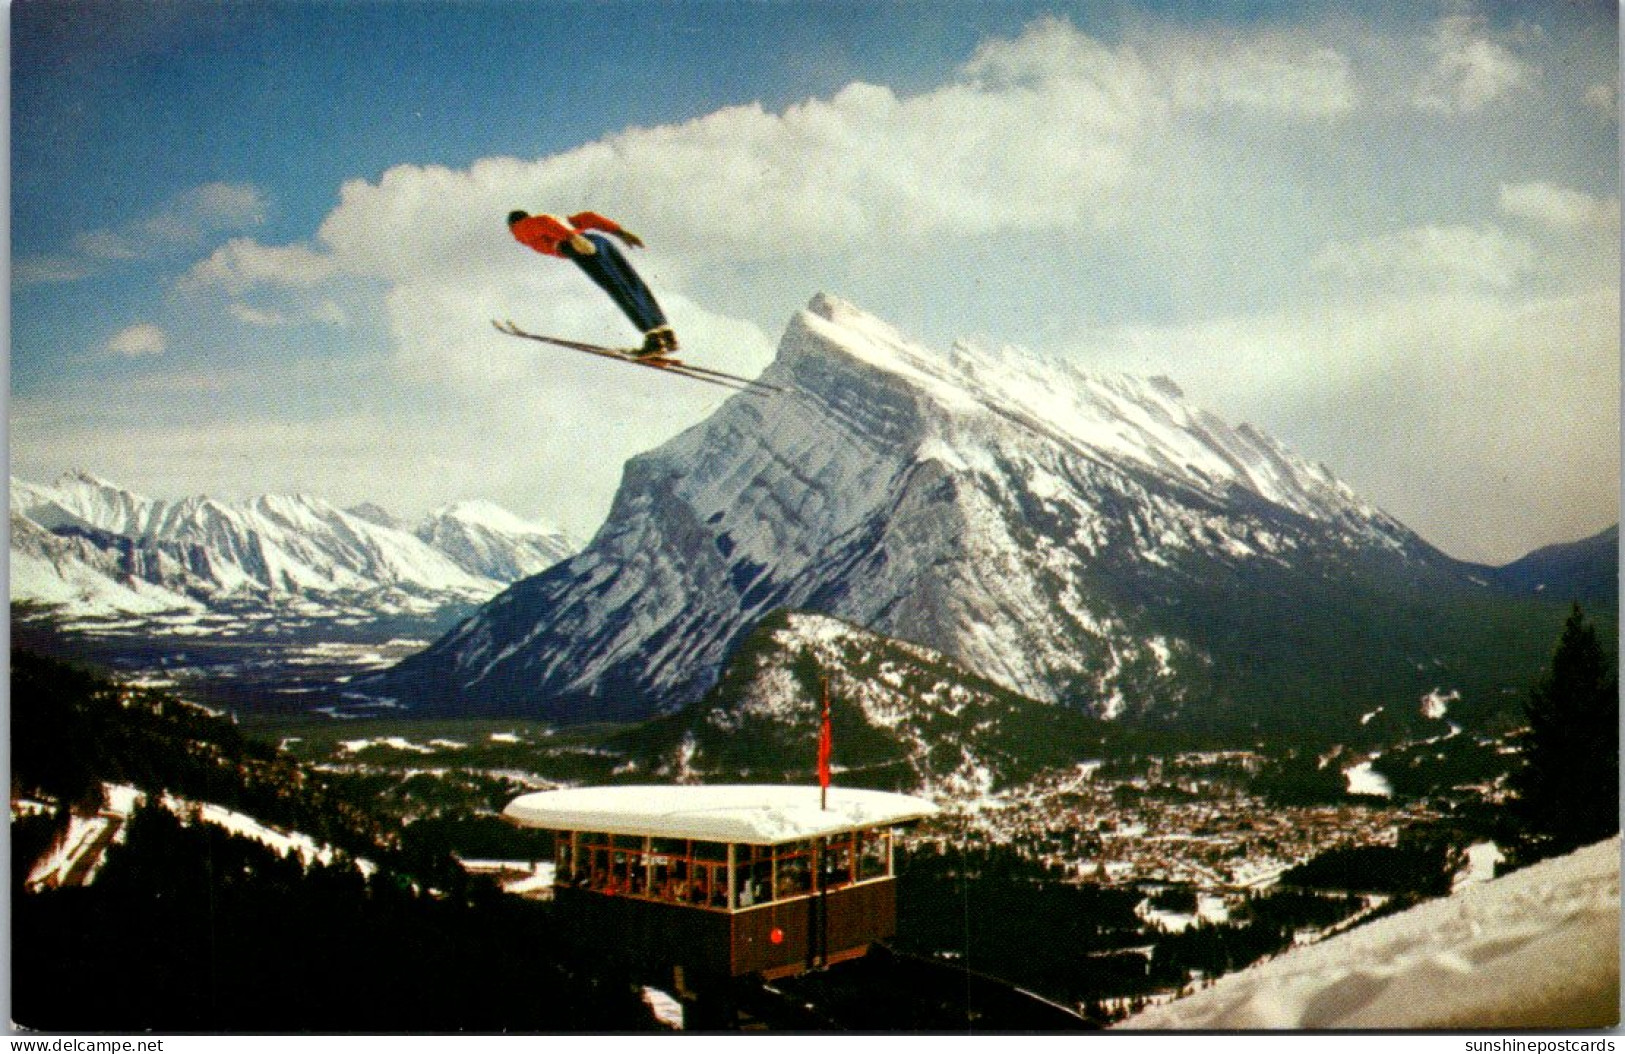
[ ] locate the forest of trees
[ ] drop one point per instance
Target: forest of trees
(190, 928)
(1084, 944)
(1424, 867)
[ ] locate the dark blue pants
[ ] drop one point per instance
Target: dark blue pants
(610, 270)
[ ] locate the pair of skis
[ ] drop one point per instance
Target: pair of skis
(663, 363)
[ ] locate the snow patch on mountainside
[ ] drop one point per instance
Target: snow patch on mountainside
(50, 569)
(1115, 418)
(1436, 704)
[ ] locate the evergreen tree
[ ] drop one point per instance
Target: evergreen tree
(1568, 789)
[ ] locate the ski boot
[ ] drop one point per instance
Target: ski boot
(658, 343)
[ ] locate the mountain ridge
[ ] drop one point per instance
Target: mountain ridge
(904, 718)
(1095, 542)
(96, 547)
(1585, 570)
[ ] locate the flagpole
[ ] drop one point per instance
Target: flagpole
(824, 745)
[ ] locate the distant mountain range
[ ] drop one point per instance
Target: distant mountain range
(98, 549)
(1091, 541)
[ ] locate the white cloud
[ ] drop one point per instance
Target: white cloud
(137, 340)
(1431, 257)
(1275, 74)
(182, 223)
(1470, 70)
(1558, 207)
(254, 316)
(216, 207)
(107, 245)
(1046, 131)
(1264, 205)
(49, 270)
(243, 264)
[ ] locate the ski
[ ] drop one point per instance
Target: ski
(662, 363)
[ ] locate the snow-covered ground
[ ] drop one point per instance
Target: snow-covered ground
(667, 1011)
(307, 849)
(1363, 780)
(523, 878)
(76, 856)
(1210, 908)
(1538, 948)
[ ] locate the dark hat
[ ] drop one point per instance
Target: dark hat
(516, 215)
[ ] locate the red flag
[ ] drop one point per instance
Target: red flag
(824, 744)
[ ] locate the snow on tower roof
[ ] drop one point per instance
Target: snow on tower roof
(750, 814)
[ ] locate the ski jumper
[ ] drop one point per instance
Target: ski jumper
(576, 239)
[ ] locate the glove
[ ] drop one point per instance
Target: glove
(630, 239)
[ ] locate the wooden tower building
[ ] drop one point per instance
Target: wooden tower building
(725, 880)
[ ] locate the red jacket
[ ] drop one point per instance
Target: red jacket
(546, 233)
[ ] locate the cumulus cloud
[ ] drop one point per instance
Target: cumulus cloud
(1276, 74)
(142, 339)
(243, 264)
(205, 210)
(1043, 131)
(325, 312)
(1470, 70)
(49, 270)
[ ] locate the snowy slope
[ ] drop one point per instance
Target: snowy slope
(1093, 540)
(271, 544)
(1538, 948)
(97, 547)
(73, 572)
(78, 853)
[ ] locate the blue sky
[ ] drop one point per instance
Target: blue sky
(255, 245)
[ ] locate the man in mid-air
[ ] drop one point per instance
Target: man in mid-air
(577, 239)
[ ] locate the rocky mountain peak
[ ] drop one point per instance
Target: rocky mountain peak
(1034, 521)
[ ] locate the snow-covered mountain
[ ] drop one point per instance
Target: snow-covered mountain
(487, 540)
(903, 718)
(74, 572)
(1538, 948)
(1085, 539)
(98, 548)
